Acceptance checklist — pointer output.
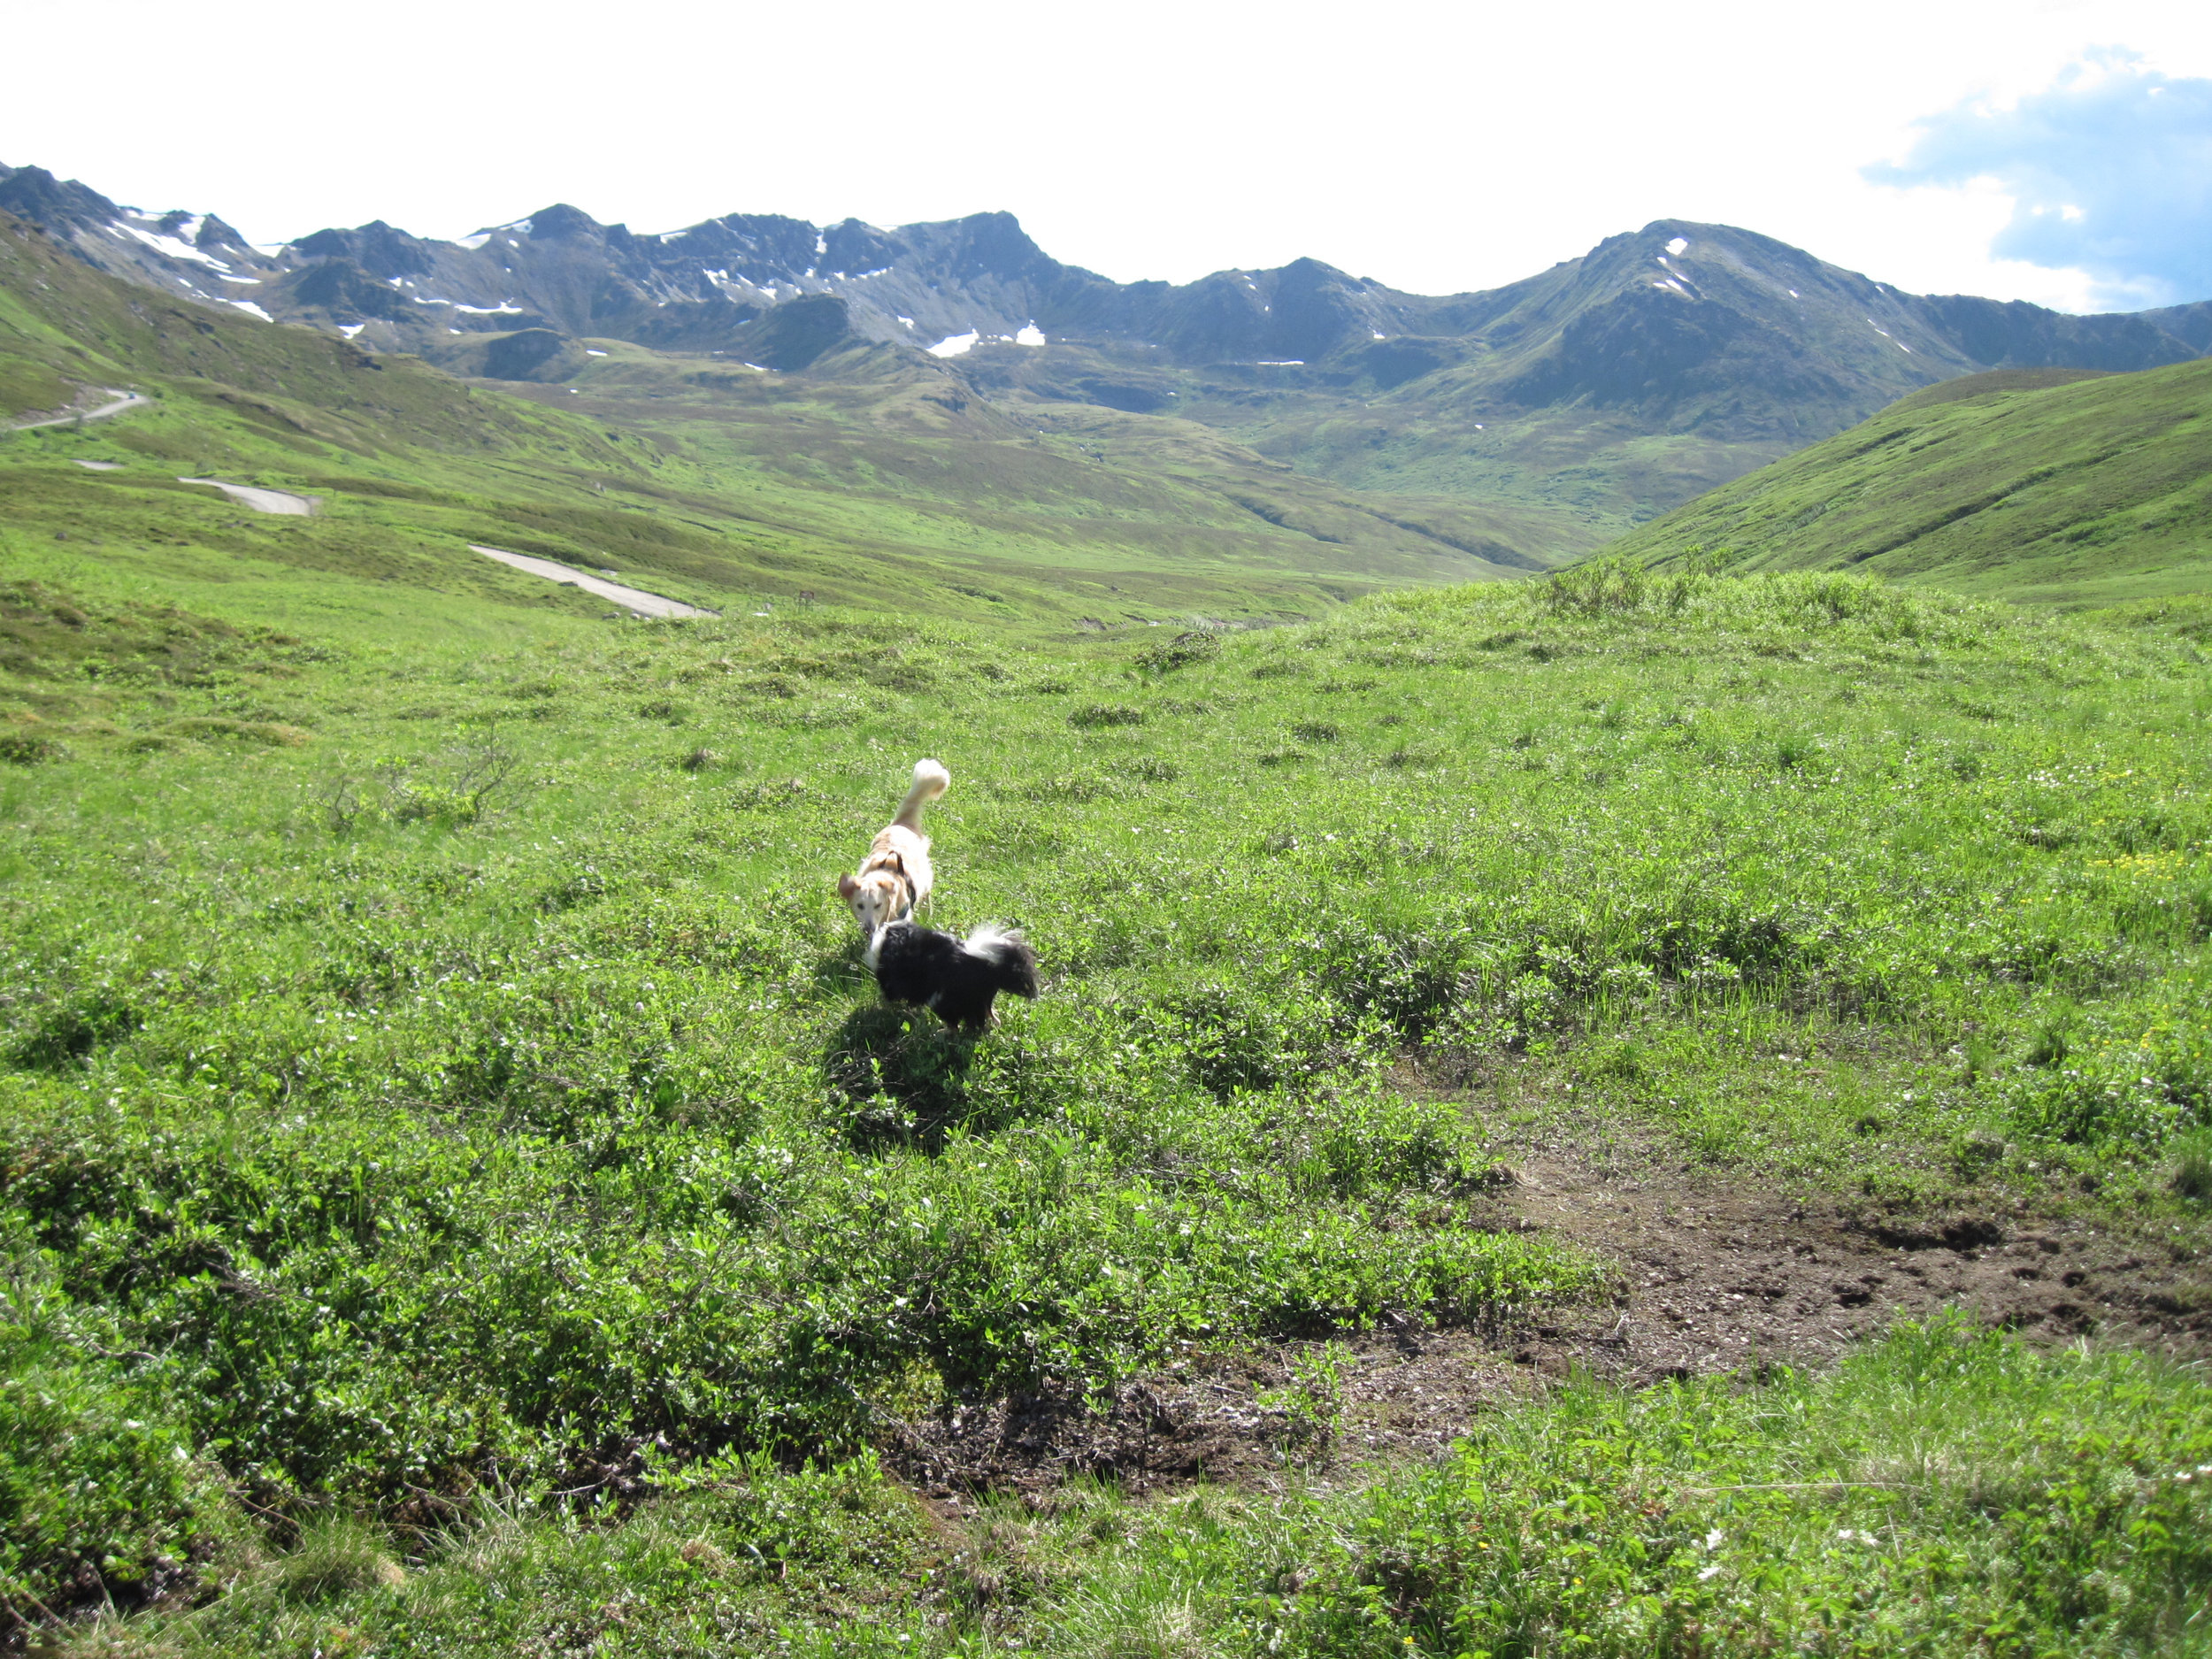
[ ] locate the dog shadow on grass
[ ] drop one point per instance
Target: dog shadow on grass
(897, 1077)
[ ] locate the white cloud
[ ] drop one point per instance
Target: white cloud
(2106, 171)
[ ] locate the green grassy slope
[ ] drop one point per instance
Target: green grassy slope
(725, 494)
(2091, 491)
(872, 443)
(1551, 481)
(439, 1102)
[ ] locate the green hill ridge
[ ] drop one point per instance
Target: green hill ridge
(2093, 490)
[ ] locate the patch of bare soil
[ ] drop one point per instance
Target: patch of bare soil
(1710, 1277)
(1717, 1277)
(1204, 1422)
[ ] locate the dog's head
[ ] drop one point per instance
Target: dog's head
(874, 897)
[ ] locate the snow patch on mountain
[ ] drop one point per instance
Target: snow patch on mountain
(171, 247)
(955, 345)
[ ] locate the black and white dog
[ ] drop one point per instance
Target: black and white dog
(956, 980)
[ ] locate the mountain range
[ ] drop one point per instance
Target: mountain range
(1579, 402)
(722, 487)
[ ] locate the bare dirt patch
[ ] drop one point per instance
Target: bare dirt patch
(1718, 1276)
(1710, 1276)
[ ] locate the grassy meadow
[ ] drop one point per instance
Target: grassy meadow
(462, 1195)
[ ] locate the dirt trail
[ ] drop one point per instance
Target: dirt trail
(260, 500)
(646, 604)
(121, 401)
(1710, 1277)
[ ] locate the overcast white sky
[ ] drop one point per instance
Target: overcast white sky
(1437, 146)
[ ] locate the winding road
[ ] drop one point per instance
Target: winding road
(279, 500)
(633, 598)
(123, 400)
(260, 500)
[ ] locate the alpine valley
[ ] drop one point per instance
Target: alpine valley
(1652, 1105)
(1334, 431)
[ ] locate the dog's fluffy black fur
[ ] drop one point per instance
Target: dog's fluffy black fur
(954, 979)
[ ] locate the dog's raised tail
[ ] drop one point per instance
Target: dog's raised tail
(931, 779)
(1014, 963)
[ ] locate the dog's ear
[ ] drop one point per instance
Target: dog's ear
(846, 886)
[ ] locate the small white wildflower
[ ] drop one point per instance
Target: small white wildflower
(1709, 1573)
(1713, 1539)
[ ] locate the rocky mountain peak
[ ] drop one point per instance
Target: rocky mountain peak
(57, 205)
(379, 249)
(563, 222)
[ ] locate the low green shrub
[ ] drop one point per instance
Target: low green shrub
(102, 1497)
(1948, 1491)
(467, 1122)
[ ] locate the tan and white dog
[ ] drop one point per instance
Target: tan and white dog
(896, 875)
